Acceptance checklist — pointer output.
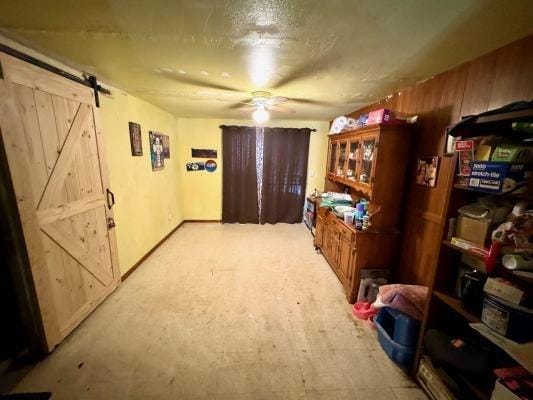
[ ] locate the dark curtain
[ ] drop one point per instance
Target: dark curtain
(285, 153)
(239, 176)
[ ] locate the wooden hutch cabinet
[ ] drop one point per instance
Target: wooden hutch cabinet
(371, 162)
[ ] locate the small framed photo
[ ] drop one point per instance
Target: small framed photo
(427, 170)
(135, 139)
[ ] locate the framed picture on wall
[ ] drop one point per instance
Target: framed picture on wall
(427, 169)
(135, 139)
(166, 146)
(156, 151)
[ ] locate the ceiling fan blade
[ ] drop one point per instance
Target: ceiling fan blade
(277, 100)
(310, 68)
(281, 109)
(248, 101)
(241, 104)
(190, 80)
(309, 101)
(245, 110)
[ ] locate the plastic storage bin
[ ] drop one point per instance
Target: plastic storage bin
(402, 328)
(397, 335)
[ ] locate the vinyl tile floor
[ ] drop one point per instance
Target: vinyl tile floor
(225, 312)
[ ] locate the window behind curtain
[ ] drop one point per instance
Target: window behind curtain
(239, 176)
(285, 154)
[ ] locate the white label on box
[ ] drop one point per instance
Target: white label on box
(495, 318)
(503, 290)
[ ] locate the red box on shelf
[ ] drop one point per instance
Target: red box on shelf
(379, 116)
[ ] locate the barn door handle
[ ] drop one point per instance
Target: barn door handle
(109, 194)
(110, 223)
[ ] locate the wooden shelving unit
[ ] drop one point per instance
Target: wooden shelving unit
(523, 196)
(443, 305)
(461, 250)
(455, 304)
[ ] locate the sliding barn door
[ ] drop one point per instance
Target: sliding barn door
(54, 147)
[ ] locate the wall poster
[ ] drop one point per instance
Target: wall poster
(156, 151)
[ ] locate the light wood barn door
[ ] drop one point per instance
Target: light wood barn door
(54, 147)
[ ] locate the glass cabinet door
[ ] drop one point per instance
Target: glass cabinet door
(332, 158)
(341, 164)
(368, 157)
(353, 159)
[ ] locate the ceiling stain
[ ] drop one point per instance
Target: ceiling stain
(334, 56)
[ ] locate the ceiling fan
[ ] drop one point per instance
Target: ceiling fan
(262, 102)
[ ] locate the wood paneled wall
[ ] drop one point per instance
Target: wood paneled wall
(490, 81)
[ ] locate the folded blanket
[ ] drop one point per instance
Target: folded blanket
(409, 299)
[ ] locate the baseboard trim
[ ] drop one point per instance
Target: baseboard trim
(203, 220)
(143, 258)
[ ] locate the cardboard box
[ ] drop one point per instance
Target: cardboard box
(508, 153)
(499, 177)
(473, 230)
(378, 116)
(500, 288)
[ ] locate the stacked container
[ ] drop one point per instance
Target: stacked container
(397, 335)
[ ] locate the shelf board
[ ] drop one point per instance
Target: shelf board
(491, 123)
(524, 196)
(455, 304)
(508, 116)
(460, 249)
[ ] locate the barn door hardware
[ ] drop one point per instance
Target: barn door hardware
(87, 80)
(110, 197)
(110, 223)
(93, 83)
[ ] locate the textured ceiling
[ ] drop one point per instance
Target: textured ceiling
(336, 55)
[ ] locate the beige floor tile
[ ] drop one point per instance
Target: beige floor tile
(409, 394)
(225, 312)
(373, 394)
(330, 395)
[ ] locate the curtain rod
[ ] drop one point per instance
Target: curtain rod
(310, 129)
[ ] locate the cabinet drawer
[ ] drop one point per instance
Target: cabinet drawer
(346, 233)
(343, 230)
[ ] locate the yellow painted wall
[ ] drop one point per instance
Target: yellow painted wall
(202, 191)
(148, 203)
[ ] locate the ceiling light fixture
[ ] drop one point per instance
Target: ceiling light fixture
(260, 115)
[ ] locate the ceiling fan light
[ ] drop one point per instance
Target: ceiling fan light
(260, 115)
